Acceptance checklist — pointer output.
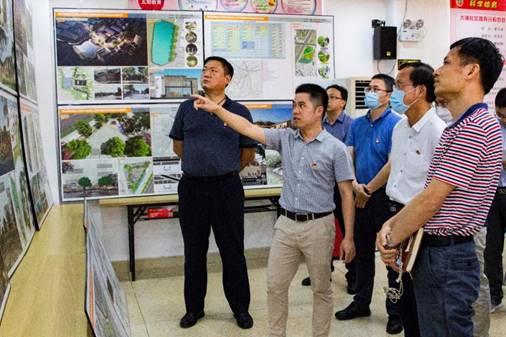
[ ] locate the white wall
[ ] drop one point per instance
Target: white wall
(353, 35)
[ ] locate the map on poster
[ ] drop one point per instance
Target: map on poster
(486, 19)
(7, 67)
(117, 151)
(301, 7)
(25, 54)
(116, 56)
(16, 222)
(39, 185)
(271, 53)
(106, 304)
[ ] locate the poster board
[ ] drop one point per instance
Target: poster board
(266, 169)
(271, 54)
(36, 167)
(301, 7)
(120, 151)
(486, 19)
(16, 222)
(105, 301)
(112, 145)
(25, 54)
(7, 66)
(118, 56)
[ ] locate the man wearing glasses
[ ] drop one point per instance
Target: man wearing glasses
(370, 142)
(497, 217)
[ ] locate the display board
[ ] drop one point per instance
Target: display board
(486, 19)
(118, 151)
(7, 66)
(304, 7)
(16, 223)
(111, 56)
(37, 175)
(25, 54)
(5, 289)
(106, 304)
(271, 54)
(114, 141)
(266, 169)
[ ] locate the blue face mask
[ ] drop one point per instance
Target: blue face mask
(397, 101)
(372, 100)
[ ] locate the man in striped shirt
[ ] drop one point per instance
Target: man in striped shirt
(460, 186)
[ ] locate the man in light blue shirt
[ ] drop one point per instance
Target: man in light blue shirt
(338, 124)
(336, 121)
(313, 161)
(370, 142)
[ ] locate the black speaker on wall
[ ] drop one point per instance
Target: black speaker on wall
(385, 43)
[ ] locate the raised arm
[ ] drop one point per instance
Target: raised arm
(236, 122)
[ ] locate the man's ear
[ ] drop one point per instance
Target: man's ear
(473, 70)
(229, 79)
(319, 110)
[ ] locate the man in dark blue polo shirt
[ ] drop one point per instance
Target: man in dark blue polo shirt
(370, 142)
(211, 195)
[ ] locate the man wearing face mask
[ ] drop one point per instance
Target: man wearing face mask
(414, 140)
(442, 110)
(369, 143)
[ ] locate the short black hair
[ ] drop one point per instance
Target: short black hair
(388, 80)
(486, 54)
(500, 99)
(318, 95)
(342, 90)
(422, 74)
(229, 70)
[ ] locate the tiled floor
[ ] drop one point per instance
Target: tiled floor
(156, 305)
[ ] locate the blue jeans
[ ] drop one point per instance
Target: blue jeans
(446, 281)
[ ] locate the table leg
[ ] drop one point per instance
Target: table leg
(131, 241)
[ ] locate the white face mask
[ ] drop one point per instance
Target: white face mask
(443, 113)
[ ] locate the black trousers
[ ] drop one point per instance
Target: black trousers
(496, 228)
(338, 213)
(368, 222)
(407, 303)
(218, 205)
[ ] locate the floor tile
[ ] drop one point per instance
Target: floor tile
(161, 305)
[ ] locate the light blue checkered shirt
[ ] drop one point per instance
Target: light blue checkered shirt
(310, 170)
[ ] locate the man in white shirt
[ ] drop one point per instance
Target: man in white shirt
(413, 142)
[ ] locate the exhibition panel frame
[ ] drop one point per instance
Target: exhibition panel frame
(121, 75)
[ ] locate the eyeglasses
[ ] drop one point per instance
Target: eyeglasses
(375, 90)
(336, 98)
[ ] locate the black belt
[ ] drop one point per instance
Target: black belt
(442, 241)
(300, 217)
(501, 190)
(209, 178)
(394, 206)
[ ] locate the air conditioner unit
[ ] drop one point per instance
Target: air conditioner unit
(355, 105)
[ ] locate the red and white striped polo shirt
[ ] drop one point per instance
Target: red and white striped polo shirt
(468, 157)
